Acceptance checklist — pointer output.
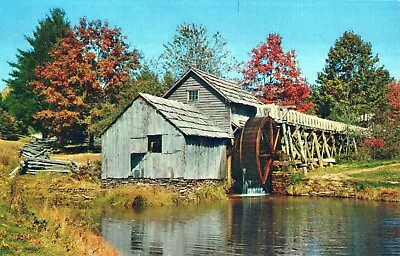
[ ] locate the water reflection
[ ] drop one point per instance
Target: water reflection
(259, 226)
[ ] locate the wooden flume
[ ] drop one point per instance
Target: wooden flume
(282, 137)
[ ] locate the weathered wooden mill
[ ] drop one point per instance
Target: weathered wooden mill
(208, 128)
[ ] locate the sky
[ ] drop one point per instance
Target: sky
(309, 27)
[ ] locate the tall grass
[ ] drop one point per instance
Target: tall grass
(29, 225)
(124, 196)
(9, 151)
(55, 214)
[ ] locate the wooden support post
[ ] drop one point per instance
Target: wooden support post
(229, 170)
(317, 148)
(229, 163)
(340, 145)
(355, 145)
(334, 153)
(312, 144)
(286, 139)
(326, 146)
(307, 151)
(292, 149)
(300, 142)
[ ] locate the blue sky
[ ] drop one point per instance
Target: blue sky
(309, 27)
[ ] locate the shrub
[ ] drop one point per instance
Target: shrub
(9, 127)
(90, 172)
(373, 143)
(296, 177)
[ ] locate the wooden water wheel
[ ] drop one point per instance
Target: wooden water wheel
(258, 148)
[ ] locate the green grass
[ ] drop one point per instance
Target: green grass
(296, 177)
(363, 184)
(352, 166)
(372, 180)
(57, 214)
(371, 163)
(28, 225)
(379, 175)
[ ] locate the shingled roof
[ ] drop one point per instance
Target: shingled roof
(186, 118)
(231, 91)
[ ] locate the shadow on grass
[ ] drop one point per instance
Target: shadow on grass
(77, 149)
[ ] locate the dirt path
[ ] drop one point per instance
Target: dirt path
(372, 169)
(346, 175)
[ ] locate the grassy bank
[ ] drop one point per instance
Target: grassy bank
(57, 214)
(374, 180)
(34, 227)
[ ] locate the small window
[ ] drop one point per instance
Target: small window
(154, 143)
(193, 95)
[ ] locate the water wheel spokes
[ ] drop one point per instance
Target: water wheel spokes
(267, 147)
(259, 142)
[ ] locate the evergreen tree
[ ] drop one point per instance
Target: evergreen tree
(168, 80)
(352, 84)
(192, 47)
(22, 101)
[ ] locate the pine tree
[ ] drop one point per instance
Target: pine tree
(22, 101)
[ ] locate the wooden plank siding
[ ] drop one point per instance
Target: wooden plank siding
(129, 135)
(180, 157)
(212, 104)
(207, 152)
(241, 113)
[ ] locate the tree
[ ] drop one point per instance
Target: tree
(352, 84)
(22, 102)
(387, 130)
(274, 77)
(89, 68)
(168, 81)
(9, 127)
(394, 101)
(192, 47)
(145, 82)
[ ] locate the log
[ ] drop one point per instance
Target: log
(44, 160)
(49, 170)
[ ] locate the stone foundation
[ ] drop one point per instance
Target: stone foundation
(283, 185)
(280, 182)
(182, 186)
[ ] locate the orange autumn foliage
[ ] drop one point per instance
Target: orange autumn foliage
(394, 101)
(274, 77)
(89, 68)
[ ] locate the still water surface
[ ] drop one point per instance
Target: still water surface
(267, 225)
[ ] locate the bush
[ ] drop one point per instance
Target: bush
(296, 177)
(388, 152)
(9, 127)
(90, 172)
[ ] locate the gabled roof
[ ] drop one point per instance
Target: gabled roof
(229, 90)
(186, 118)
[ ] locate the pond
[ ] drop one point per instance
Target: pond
(267, 225)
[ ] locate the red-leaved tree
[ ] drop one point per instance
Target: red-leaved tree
(274, 77)
(89, 68)
(394, 101)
